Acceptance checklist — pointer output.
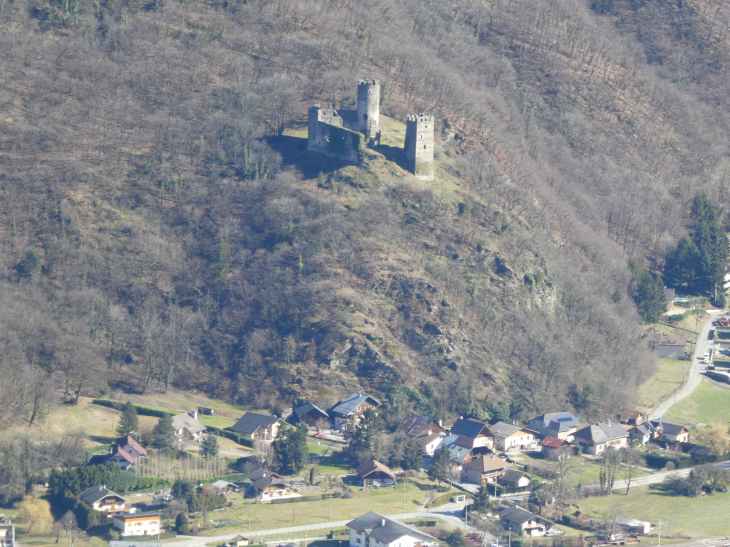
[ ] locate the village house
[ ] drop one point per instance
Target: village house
(478, 432)
(430, 442)
(642, 433)
(594, 439)
(374, 530)
(552, 448)
(514, 479)
(117, 456)
(374, 473)
(666, 430)
(523, 522)
(261, 473)
(257, 427)
(239, 541)
(137, 524)
(188, 427)
(508, 437)
(132, 447)
(460, 449)
(100, 498)
(484, 469)
(348, 412)
(225, 487)
(7, 535)
(633, 526)
(415, 425)
(559, 425)
(668, 346)
(309, 415)
(270, 487)
(631, 417)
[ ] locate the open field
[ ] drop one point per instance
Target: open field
(330, 466)
(708, 403)
(697, 517)
(666, 380)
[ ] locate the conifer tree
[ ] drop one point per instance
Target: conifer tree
(129, 421)
(181, 523)
(439, 470)
(210, 447)
(164, 433)
(480, 500)
(412, 455)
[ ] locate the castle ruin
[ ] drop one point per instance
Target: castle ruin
(345, 133)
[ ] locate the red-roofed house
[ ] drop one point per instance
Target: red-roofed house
(121, 457)
(132, 447)
(551, 447)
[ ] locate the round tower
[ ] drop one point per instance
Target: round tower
(368, 108)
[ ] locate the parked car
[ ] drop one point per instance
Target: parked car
(319, 434)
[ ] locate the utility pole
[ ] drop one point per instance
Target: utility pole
(466, 517)
(330, 505)
(510, 537)
(660, 531)
(404, 495)
(249, 516)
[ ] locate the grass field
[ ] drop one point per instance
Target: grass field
(664, 382)
(330, 466)
(708, 403)
(704, 516)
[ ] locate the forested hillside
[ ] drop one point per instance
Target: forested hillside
(162, 223)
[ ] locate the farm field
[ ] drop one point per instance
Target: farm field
(708, 403)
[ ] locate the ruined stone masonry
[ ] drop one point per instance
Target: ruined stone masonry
(344, 133)
(419, 146)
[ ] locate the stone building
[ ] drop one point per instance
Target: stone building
(419, 146)
(339, 133)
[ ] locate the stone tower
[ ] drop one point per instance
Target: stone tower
(419, 145)
(368, 108)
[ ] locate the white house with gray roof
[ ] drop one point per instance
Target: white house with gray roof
(508, 437)
(348, 412)
(374, 530)
(594, 439)
(187, 426)
(559, 425)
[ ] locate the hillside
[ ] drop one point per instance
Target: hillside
(162, 223)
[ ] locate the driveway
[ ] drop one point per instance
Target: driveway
(451, 513)
(695, 369)
(236, 454)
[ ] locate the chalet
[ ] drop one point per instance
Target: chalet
(261, 473)
(476, 431)
(257, 427)
(666, 430)
(120, 457)
(374, 473)
(460, 449)
(100, 498)
(552, 448)
(559, 425)
(132, 447)
(374, 530)
(514, 479)
(631, 417)
(594, 439)
(267, 488)
(484, 469)
(225, 487)
(137, 524)
(430, 442)
(523, 522)
(348, 412)
(668, 346)
(7, 535)
(309, 415)
(415, 425)
(187, 426)
(508, 437)
(642, 433)
(240, 541)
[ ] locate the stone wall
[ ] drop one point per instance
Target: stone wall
(329, 136)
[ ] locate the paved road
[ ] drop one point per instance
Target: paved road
(450, 513)
(695, 371)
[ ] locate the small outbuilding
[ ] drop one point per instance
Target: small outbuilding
(374, 473)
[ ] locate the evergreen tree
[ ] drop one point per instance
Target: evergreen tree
(649, 293)
(480, 501)
(210, 447)
(439, 470)
(129, 421)
(362, 437)
(164, 433)
(679, 270)
(412, 455)
(181, 523)
(291, 447)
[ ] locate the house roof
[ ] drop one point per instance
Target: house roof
(415, 425)
(457, 452)
(306, 408)
(250, 422)
(669, 340)
(673, 429)
(501, 429)
(512, 475)
(560, 421)
(124, 441)
(119, 451)
(486, 463)
(669, 294)
(137, 515)
(186, 421)
(643, 429)
(96, 493)
(260, 473)
(239, 538)
(631, 522)
(371, 467)
(265, 482)
(223, 484)
(468, 428)
(552, 442)
(349, 405)
(602, 433)
(515, 515)
(384, 530)
(627, 415)
(423, 440)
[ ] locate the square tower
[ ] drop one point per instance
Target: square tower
(419, 145)
(368, 108)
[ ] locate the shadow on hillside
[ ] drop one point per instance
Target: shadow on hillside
(293, 151)
(394, 154)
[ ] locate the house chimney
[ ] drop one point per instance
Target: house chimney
(382, 522)
(441, 423)
(194, 414)
(461, 417)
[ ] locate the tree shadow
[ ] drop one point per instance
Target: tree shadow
(293, 152)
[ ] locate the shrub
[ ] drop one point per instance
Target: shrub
(181, 523)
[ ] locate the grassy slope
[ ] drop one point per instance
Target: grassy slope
(662, 384)
(708, 403)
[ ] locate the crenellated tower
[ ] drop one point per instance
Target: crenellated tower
(368, 108)
(419, 145)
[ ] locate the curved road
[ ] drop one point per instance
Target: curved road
(695, 370)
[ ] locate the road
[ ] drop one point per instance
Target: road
(695, 371)
(449, 513)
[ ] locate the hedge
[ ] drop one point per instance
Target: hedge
(306, 498)
(232, 435)
(659, 462)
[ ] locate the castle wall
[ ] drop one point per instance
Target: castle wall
(328, 136)
(419, 145)
(368, 108)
